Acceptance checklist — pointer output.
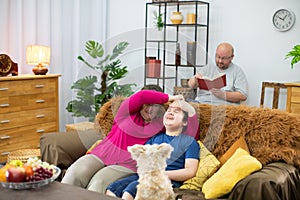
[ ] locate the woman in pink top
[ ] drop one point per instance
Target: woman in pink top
(138, 119)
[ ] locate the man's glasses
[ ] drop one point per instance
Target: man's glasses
(223, 58)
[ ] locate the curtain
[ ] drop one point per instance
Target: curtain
(65, 26)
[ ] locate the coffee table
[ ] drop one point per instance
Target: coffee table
(53, 191)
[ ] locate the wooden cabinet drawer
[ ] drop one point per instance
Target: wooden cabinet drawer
(34, 86)
(27, 102)
(295, 97)
(25, 118)
(295, 107)
(23, 137)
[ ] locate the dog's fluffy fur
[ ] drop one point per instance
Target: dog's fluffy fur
(154, 184)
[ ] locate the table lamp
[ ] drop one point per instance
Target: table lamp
(39, 56)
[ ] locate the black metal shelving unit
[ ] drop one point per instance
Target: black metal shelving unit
(160, 48)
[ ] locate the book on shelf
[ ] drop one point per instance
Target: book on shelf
(206, 83)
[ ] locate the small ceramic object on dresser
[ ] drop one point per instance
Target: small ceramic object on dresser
(191, 18)
(176, 18)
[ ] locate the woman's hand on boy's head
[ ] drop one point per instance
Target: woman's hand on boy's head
(176, 97)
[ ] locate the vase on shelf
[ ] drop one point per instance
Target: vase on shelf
(176, 18)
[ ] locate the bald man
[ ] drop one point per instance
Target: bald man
(236, 89)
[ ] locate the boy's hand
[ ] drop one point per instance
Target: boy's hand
(185, 106)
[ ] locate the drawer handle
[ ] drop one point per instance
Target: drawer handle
(40, 131)
(3, 89)
(5, 153)
(4, 105)
(40, 86)
(4, 121)
(40, 101)
(40, 116)
(4, 137)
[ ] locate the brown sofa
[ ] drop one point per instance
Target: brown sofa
(272, 136)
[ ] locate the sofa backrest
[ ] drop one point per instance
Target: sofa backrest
(271, 135)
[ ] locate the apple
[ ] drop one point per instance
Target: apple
(15, 174)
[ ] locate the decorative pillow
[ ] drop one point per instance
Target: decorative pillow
(93, 146)
(240, 165)
(207, 166)
(240, 143)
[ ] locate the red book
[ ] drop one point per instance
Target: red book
(208, 83)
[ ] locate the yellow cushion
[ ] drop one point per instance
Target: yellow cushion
(240, 143)
(93, 146)
(240, 165)
(207, 166)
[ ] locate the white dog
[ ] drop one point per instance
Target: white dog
(154, 184)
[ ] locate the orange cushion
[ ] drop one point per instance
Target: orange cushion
(240, 143)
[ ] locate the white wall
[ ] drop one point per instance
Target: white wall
(259, 49)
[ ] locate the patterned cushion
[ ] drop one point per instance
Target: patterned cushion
(207, 166)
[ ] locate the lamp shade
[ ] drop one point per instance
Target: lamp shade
(38, 55)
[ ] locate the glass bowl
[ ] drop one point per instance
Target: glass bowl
(31, 184)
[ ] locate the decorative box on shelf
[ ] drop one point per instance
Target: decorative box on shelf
(186, 92)
(153, 68)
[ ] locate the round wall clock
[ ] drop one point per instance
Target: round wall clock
(7, 66)
(283, 19)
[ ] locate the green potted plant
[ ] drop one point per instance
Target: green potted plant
(89, 94)
(158, 20)
(294, 54)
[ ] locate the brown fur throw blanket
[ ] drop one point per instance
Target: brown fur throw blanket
(271, 135)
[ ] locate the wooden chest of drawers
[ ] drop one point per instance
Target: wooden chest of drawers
(28, 108)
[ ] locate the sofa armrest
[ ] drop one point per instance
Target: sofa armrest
(274, 181)
(63, 148)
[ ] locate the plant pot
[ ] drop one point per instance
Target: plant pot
(176, 18)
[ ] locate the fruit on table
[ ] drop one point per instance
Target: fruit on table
(28, 171)
(16, 163)
(15, 174)
(33, 170)
(3, 173)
